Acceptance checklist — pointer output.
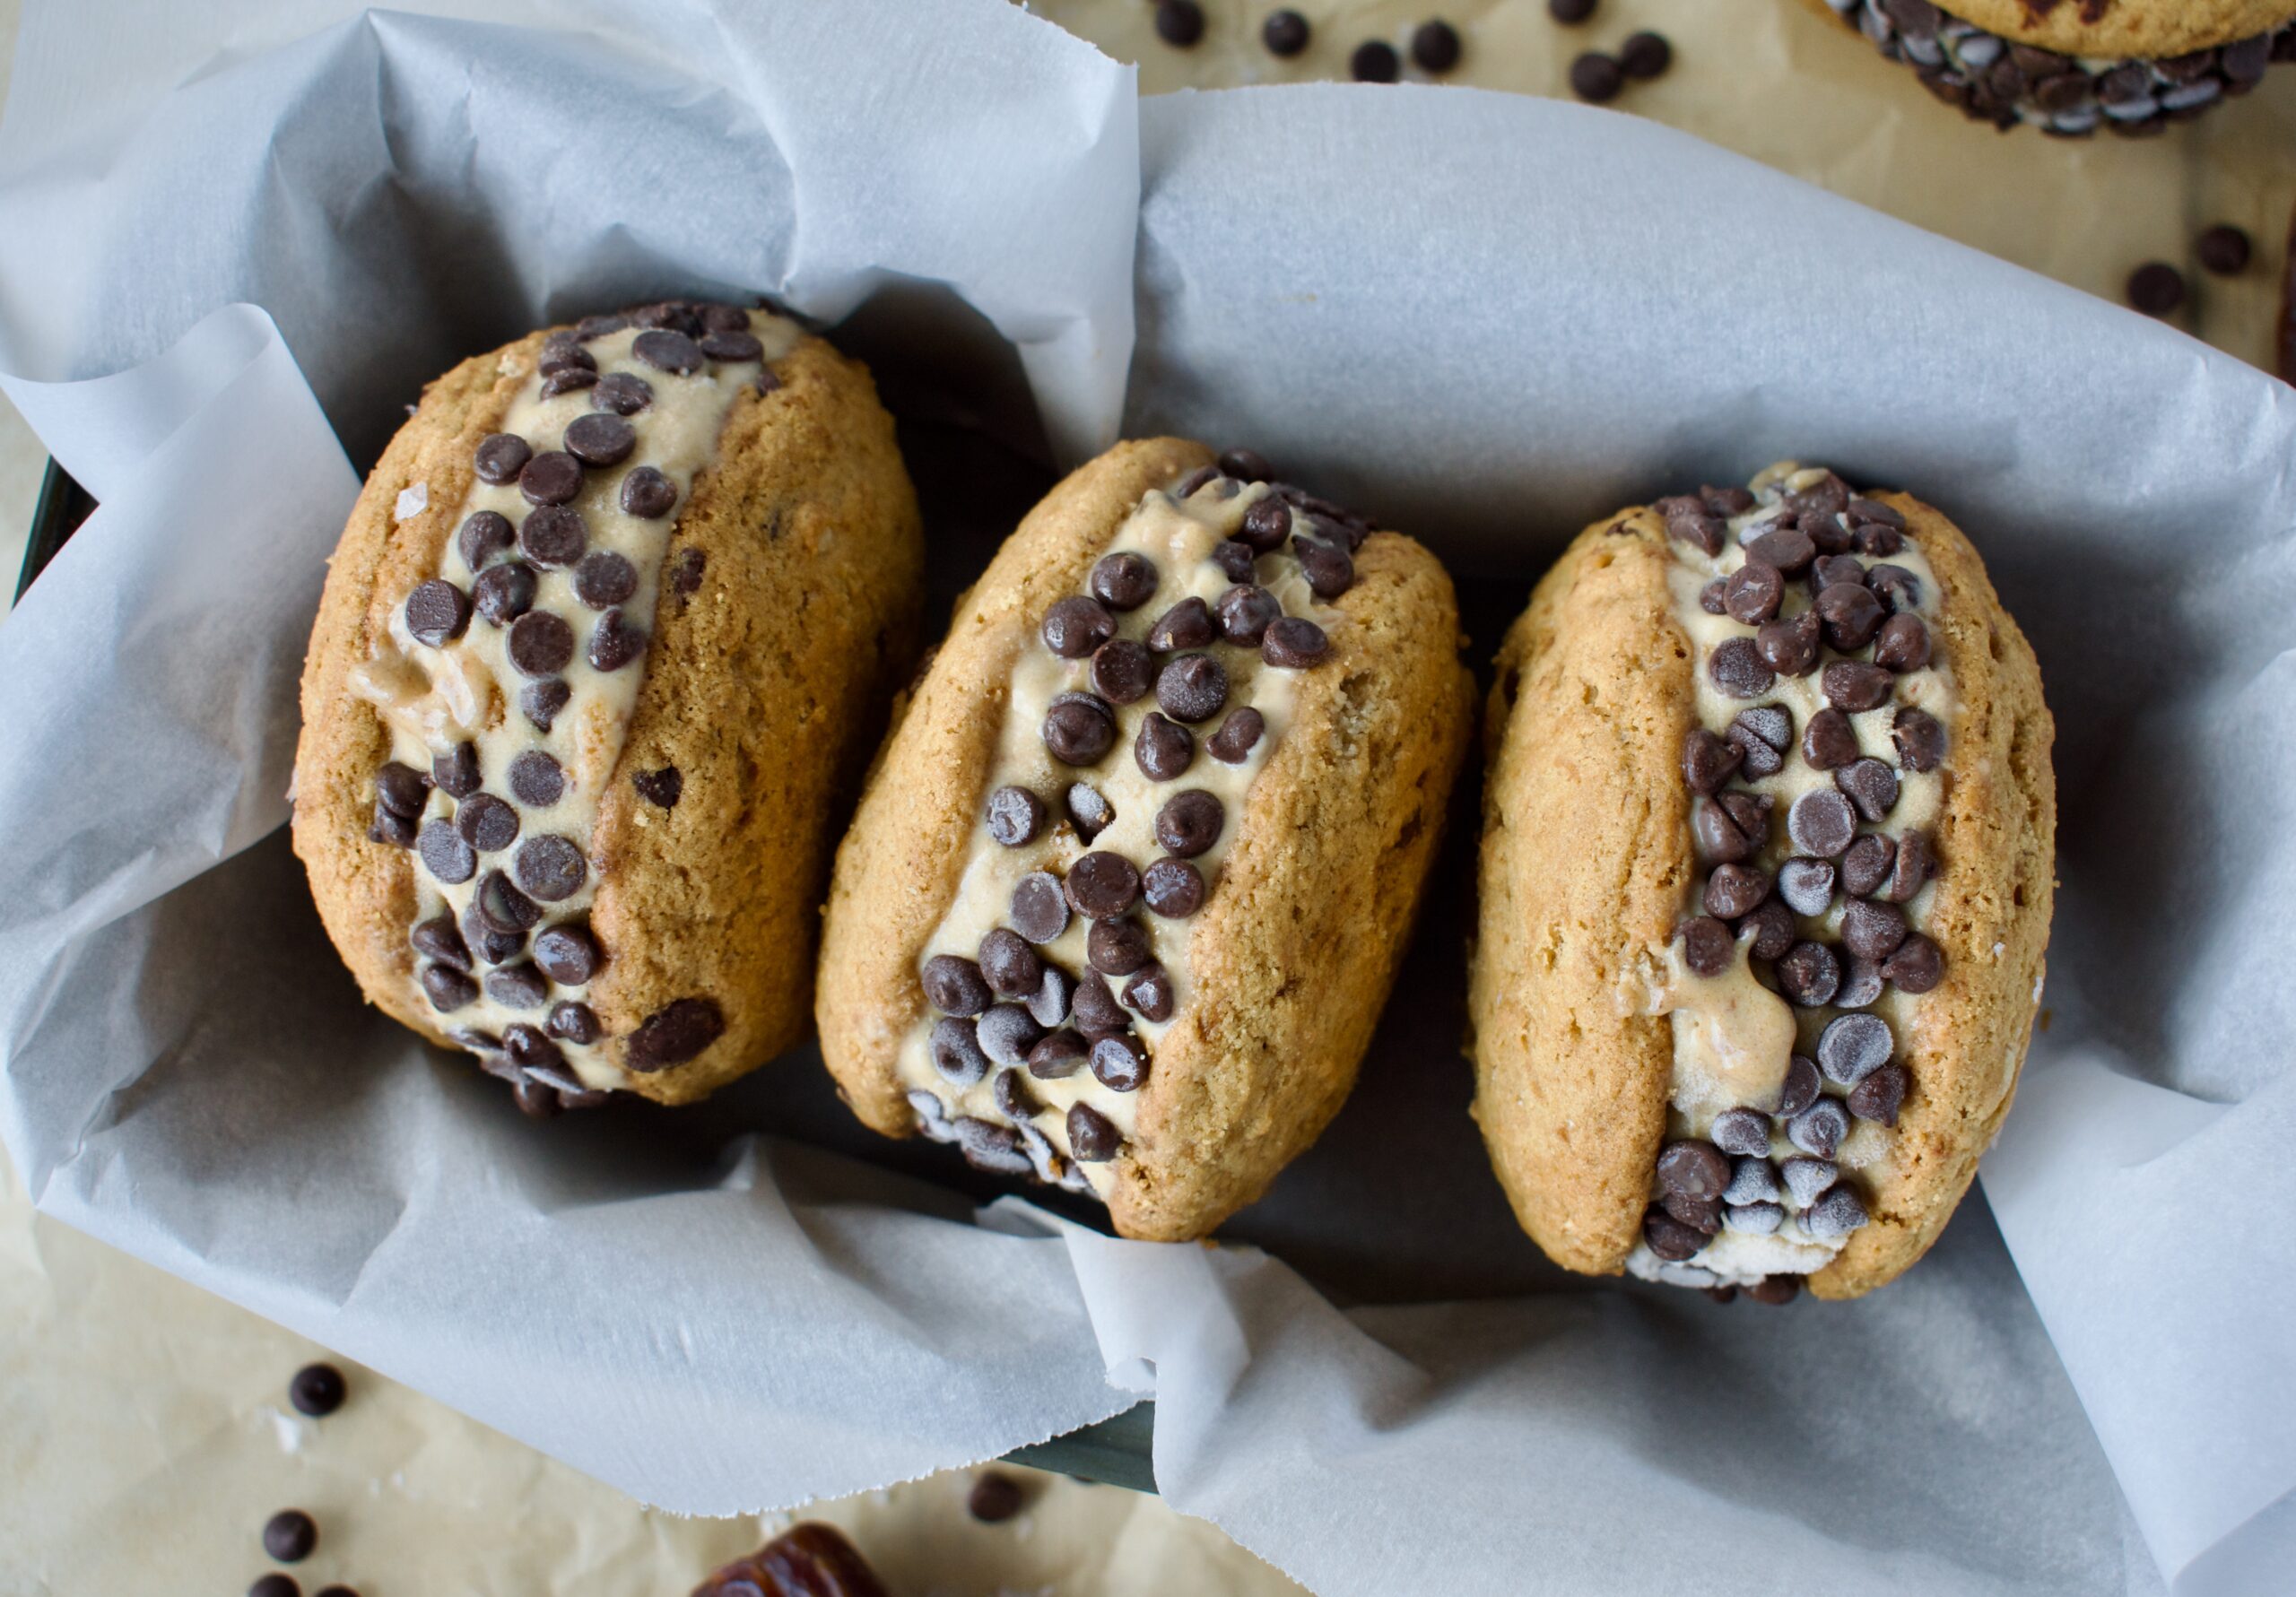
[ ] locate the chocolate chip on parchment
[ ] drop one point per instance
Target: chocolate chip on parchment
(1330, 572)
(541, 644)
(1739, 670)
(567, 953)
(1829, 741)
(289, 1535)
(486, 823)
(1871, 930)
(1818, 1129)
(1880, 1095)
(506, 592)
(1164, 748)
(1866, 864)
(1920, 738)
(1193, 687)
(1173, 889)
(1150, 993)
(954, 1048)
(1121, 1062)
(1005, 1034)
(667, 350)
(501, 457)
(1100, 886)
(623, 393)
(1010, 967)
(676, 1033)
(1245, 613)
(649, 494)
(1294, 642)
(1707, 945)
(484, 535)
(1742, 1132)
(1800, 1088)
(604, 579)
(1903, 644)
(445, 854)
(955, 986)
(1853, 685)
(1435, 46)
(1871, 786)
(1917, 964)
(1850, 615)
(1284, 33)
(1899, 589)
(447, 988)
(1015, 816)
(1645, 55)
(1039, 908)
(574, 1022)
(1124, 581)
(733, 344)
(1790, 647)
(1809, 975)
(1708, 761)
(1189, 824)
(1079, 728)
(437, 612)
(502, 907)
(1266, 522)
(1693, 1168)
(1668, 1237)
(536, 780)
(2223, 250)
(552, 477)
(317, 1390)
(1238, 735)
(456, 772)
(2156, 288)
(1752, 593)
(1375, 61)
(1088, 810)
(1732, 890)
(1769, 928)
(1187, 625)
(615, 641)
(541, 701)
(1806, 885)
(1093, 1137)
(518, 986)
(551, 867)
(1058, 1055)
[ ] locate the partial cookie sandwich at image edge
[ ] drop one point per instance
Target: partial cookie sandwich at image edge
(612, 626)
(1766, 886)
(1128, 888)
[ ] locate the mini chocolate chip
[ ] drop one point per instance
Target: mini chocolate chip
(1920, 739)
(1903, 644)
(1806, 885)
(615, 641)
(1192, 687)
(1596, 78)
(574, 1022)
(1088, 810)
(996, 1149)
(1010, 1089)
(667, 350)
(1049, 1004)
(1787, 548)
(541, 701)
(289, 1536)
(1039, 909)
(1861, 984)
(1284, 33)
(401, 789)
(506, 592)
(1732, 890)
(1015, 816)
(1703, 1215)
(317, 1390)
(1267, 524)
(1238, 735)
(1707, 945)
(501, 457)
(1739, 670)
(1759, 1219)
(1720, 833)
(1666, 1236)
(1866, 865)
(604, 579)
(2223, 249)
(456, 772)
(1435, 47)
(648, 494)
(568, 954)
(1710, 598)
(1829, 741)
(1836, 1214)
(1809, 975)
(1119, 1062)
(732, 345)
(1329, 570)
(1771, 928)
(1122, 671)
(1790, 648)
(1762, 733)
(1005, 1034)
(623, 393)
(1179, 23)
(568, 380)
(1850, 615)
(1708, 761)
(1821, 823)
(1163, 750)
(1645, 55)
(1116, 948)
(502, 907)
(1075, 626)
(483, 535)
(1079, 728)
(1880, 541)
(1898, 588)
(437, 612)
(676, 1033)
(518, 986)
(600, 438)
(551, 867)
(1752, 593)
(1233, 558)
(662, 788)
(1851, 1048)
(1829, 570)
(1095, 1007)
(1692, 1169)
(1916, 966)
(1124, 581)
(1818, 1129)
(1852, 685)
(486, 823)
(1093, 1137)
(1058, 1055)
(1571, 10)
(1914, 864)
(1294, 641)
(1809, 1179)
(1173, 889)
(1008, 965)
(552, 477)
(2156, 288)
(1871, 930)
(1101, 886)
(1742, 1132)
(1187, 625)
(437, 939)
(536, 780)
(1872, 786)
(1375, 61)
(1800, 1087)
(955, 1050)
(954, 985)
(541, 644)
(1189, 823)
(447, 988)
(1245, 613)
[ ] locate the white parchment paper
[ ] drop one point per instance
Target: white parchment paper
(1487, 319)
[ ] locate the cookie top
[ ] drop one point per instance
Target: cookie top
(2150, 29)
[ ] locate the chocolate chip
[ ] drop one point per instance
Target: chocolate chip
(1771, 928)
(437, 612)
(623, 393)
(1150, 993)
(1294, 641)
(2156, 288)
(615, 641)
(648, 494)
(1435, 47)
(1829, 741)
(317, 1390)
(1727, 832)
(1238, 735)
(1903, 645)
(1124, 581)
(1866, 865)
(1707, 945)
(1762, 734)
(1173, 889)
(1708, 761)
(445, 854)
(483, 535)
(1920, 739)
(1916, 966)
(1008, 965)
(1898, 588)
(1005, 1034)
(1873, 539)
(954, 985)
(1049, 1004)
(1093, 1137)
(502, 907)
(1192, 687)
(1757, 1219)
(1850, 615)
(574, 1022)
(551, 867)
(552, 477)
(1095, 1007)
(1853, 685)
(518, 986)
(1571, 10)
(1752, 593)
(568, 380)
(1267, 524)
(2223, 249)
(486, 823)
(1742, 1132)
(604, 579)
(1057, 1056)
(1688, 518)
(1101, 886)
(600, 438)
(1079, 728)
(1872, 931)
(954, 1048)
(1122, 671)
(1666, 1236)
(1818, 1129)
(1800, 1087)
(1806, 885)
(1329, 570)
(1180, 22)
(1872, 786)
(289, 1536)
(1738, 669)
(1234, 560)
(1015, 816)
(1914, 864)
(437, 939)
(541, 644)
(1703, 1215)
(1787, 548)
(1879, 1096)
(541, 701)
(501, 457)
(536, 780)
(1790, 648)
(568, 954)
(1245, 613)
(1119, 1062)
(1039, 910)
(1861, 984)
(1809, 1179)
(1077, 625)
(456, 772)
(1726, 502)
(1836, 1214)
(1732, 890)
(1596, 78)
(1851, 1048)
(732, 345)
(676, 1033)
(1710, 596)
(401, 789)
(1285, 34)
(1375, 61)
(1189, 823)
(996, 1149)
(1163, 750)
(447, 988)
(1645, 55)
(1692, 1169)
(1088, 810)
(506, 592)
(1809, 975)
(1187, 625)
(667, 350)
(1821, 823)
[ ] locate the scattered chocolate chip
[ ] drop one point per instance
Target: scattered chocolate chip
(518, 986)
(541, 644)
(955, 986)
(1850, 615)
(1753, 592)
(551, 867)
(2156, 288)
(1093, 1137)
(954, 1048)
(1738, 669)
(536, 780)
(648, 494)
(1089, 812)
(1008, 965)
(1806, 885)
(574, 1022)
(1164, 748)
(1707, 945)
(1173, 889)
(615, 641)
(1189, 824)
(289, 1536)
(1119, 1062)
(1180, 22)
(1294, 641)
(1800, 1088)
(1708, 761)
(1039, 910)
(445, 854)
(1015, 816)
(604, 579)
(1056, 1056)
(1075, 626)
(317, 1390)
(1916, 966)
(1669, 1238)
(2223, 249)
(1102, 886)
(1818, 1129)
(447, 988)
(1435, 47)
(732, 345)
(484, 535)
(623, 393)
(437, 612)
(1571, 10)
(1329, 570)
(1645, 55)
(486, 823)
(1732, 890)
(1245, 613)
(1005, 1034)
(1829, 741)
(1809, 975)
(676, 1033)
(1079, 728)
(541, 701)
(506, 592)
(1187, 625)
(1238, 735)
(1596, 78)
(1790, 648)
(1285, 34)
(1193, 687)
(667, 350)
(501, 457)
(1852, 685)
(456, 772)
(1920, 739)
(568, 954)
(1375, 61)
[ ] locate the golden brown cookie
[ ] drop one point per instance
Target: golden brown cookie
(1765, 879)
(2074, 67)
(611, 628)
(1132, 876)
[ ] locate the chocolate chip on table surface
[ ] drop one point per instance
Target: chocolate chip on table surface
(1124, 581)
(1880, 1095)
(1742, 1132)
(955, 985)
(1693, 1168)
(568, 954)
(551, 867)
(1790, 647)
(1150, 994)
(1571, 10)
(1435, 46)
(1048, 1006)
(1669, 1238)
(1329, 570)
(1015, 816)
(1917, 964)
(1079, 728)
(541, 644)
(552, 477)
(1192, 687)
(1709, 760)
(1870, 784)
(1770, 928)
(1006, 1033)
(504, 593)
(486, 823)
(1116, 947)
(1738, 669)
(445, 854)
(1920, 739)
(2156, 288)
(1180, 22)
(1645, 55)
(2222, 250)
(541, 701)
(1596, 78)
(1238, 735)
(604, 579)
(1100, 886)
(648, 494)
(1173, 889)
(456, 772)
(1850, 615)
(733, 344)
(1732, 890)
(1375, 61)
(666, 350)
(483, 535)
(1056, 1056)
(1123, 671)
(1818, 1129)
(1853, 685)
(1294, 642)
(1095, 1006)
(575, 1022)
(1119, 1062)
(437, 612)
(954, 1048)
(501, 456)
(447, 988)
(1245, 613)
(615, 641)
(1829, 741)
(289, 1536)
(1806, 885)
(536, 780)
(1011, 968)
(623, 393)
(518, 986)
(1800, 1088)
(1039, 908)
(317, 1390)
(1187, 625)
(1872, 931)
(1093, 1137)
(1752, 593)
(1809, 975)
(1164, 748)
(1189, 823)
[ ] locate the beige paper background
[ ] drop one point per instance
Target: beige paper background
(144, 1431)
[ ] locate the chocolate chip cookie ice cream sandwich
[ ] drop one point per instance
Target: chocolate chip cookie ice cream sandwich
(2074, 67)
(1129, 884)
(614, 622)
(1766, 877)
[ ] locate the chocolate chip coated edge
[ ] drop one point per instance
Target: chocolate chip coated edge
(1294, 952)
(1586, 854)
(718, 896)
